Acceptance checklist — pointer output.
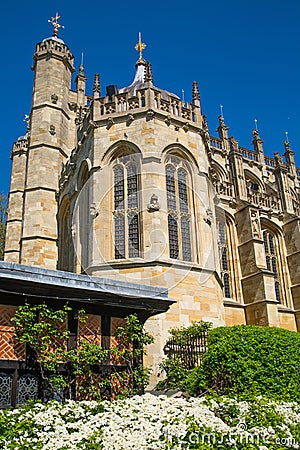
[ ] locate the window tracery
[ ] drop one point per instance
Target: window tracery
(224, 260)
(126, 214)
(179, 214)
(272, 261)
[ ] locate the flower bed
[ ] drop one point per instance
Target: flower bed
(150, 422)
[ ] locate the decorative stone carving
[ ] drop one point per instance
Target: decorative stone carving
(110, 122)
(94, 212)
(130, 119)
(52, 130)
(255, 224)
(54, 98)
(186, 127)
(168, 120)
(209, 217)
(73, 106)
(154, 204)
(150, 114)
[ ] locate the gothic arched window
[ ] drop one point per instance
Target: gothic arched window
(224, 260)
(272, 261)
(179, 216)
(126, 215)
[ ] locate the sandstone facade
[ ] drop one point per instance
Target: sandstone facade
(129, 184)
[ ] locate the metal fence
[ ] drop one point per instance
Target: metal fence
(188, 351)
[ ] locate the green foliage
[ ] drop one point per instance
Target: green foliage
(41, 328)
(174, 367)
(183, 334)
(131, 341)
(3, 216)
(249, 360)
(176, 374)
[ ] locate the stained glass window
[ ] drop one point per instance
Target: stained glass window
(271, 261)
(224, 261)
(119, 237)
(179, 213)
(171, 196)
(186, 239)
(126, 218)
(173, 236)
(182, 191)
(119, 187)
(133, 235)
(226, 283)
(132, 190)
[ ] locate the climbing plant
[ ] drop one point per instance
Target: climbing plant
(44, 331)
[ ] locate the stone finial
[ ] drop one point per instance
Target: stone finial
(256, 137)
(195, 92)
(148, 73)
(96, 87)
(288, 147)
(257, 142)
(278, 159)
(222, 128)
(234, 145)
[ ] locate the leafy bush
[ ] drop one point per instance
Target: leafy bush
(177, 366)
(248, 360)
(183, 334)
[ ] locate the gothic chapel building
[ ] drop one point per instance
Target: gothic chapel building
(128, 185)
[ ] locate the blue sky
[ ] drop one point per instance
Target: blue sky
(244, 55)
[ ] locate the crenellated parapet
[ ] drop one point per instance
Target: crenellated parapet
(55, 48)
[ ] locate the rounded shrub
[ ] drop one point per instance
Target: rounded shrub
(246, 360)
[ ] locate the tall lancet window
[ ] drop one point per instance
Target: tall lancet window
(126, 216)
(179, 216)
(271, 260)
(224, 260)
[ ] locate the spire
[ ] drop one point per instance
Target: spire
(195, 93)
(140, 46)
(81, 84)
(56, 25)
(148, 73)
(96, 87)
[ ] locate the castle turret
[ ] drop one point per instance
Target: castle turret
(16, 195)
(51, 140)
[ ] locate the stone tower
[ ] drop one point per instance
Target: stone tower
(38, 157)
(130, 185)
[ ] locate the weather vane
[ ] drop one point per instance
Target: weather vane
(27, 120)
(140, 46)
(255, 124)
(56, 25)
(287, 136)
(221, 109)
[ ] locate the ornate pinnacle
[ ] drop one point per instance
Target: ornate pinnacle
(140, 46)
(56, 25)
(148, 73)
(96, 87)
(195, 93)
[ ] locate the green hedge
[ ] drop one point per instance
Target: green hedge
(248, 360)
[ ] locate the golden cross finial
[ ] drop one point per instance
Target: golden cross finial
(56, 25)
(140, 46)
